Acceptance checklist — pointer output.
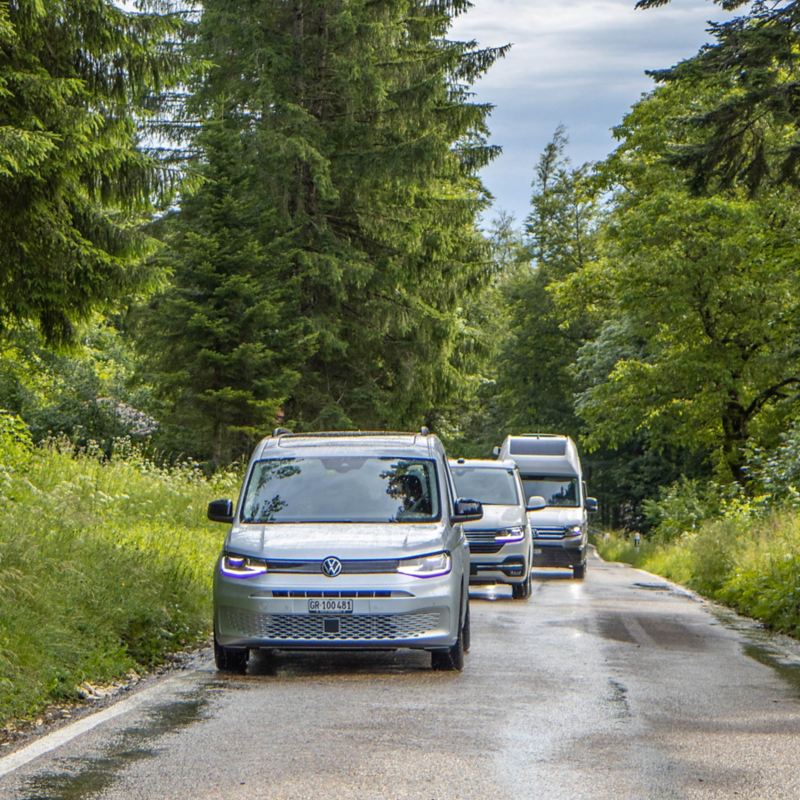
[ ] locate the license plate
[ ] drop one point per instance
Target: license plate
(537, 551)
(330, 605)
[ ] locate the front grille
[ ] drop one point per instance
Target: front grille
(548, 533)
(483, 542)
(363, 593)
(480, 547)
(354, 567)
(310, 628)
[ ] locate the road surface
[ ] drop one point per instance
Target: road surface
(619, 686)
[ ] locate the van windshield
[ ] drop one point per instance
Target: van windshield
(490, 485)
(342, 489)
(557, 491)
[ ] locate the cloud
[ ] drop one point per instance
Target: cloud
(579, 62)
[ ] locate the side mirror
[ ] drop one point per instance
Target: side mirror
(467, 511)
(535, 503)
(590, 504)
(220, 511)
(496, 450)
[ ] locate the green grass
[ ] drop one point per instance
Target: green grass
(105, 567)
(749, 563)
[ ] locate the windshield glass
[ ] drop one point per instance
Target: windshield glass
(342, 489)
(490, 485)
(556, 491)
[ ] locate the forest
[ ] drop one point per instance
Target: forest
(220, 217)
(224, 216)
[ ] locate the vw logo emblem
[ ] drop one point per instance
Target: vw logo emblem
(331, 567)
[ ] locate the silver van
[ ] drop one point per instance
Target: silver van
(556, 494)
(500, 544)
(344, 540)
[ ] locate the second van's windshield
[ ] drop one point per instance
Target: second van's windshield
(490, 485)
(342, 488)
(557, 491)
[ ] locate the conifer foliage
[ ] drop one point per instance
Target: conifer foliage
(76, 79)
(342, 140)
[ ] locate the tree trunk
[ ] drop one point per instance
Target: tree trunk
(735, 423)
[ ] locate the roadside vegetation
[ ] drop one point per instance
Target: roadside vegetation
(105, 565)
(738, 547)
(751, 564)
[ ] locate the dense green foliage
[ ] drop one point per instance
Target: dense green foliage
(105, 567)
(77, 80)
(335, 238)
(750, 133)
(703, 290)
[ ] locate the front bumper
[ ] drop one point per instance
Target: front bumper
(567, 552)
(389, 611)
(491, 561)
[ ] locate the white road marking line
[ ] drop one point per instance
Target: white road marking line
(69, 732)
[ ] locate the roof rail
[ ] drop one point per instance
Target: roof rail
(343, 434)
(425, 430)
(280, 431)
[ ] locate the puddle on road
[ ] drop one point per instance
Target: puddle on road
(84, 778)
(789, 671)
(776, 651)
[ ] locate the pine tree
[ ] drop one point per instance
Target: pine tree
(535, 380)
(77, 77)
(222, 342)
(366, 146)
(750, 134)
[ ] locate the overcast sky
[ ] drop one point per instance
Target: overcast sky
(576, 62)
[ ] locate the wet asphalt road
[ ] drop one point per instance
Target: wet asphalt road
(615, 687)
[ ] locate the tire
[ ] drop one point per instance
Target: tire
(578, 571)
(521, 591)
(452, 659)
(230, 659)
(465, 631)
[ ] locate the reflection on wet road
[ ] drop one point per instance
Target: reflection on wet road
(615, 687)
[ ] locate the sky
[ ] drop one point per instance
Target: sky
(580, 63)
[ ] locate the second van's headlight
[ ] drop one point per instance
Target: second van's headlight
(574, 530)
(516, 534)
(426, 566)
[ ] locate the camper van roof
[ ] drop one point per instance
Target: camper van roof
(538, 445)
(543, 454)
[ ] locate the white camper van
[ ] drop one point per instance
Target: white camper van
(553, 480)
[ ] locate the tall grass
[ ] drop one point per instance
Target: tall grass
(105, 566)
(751, 563)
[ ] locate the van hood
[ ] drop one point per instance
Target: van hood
(318, 540)
(496, 517)
(553, 517)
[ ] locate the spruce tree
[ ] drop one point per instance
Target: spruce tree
(750, 134)
(364, 146)
(77, 77)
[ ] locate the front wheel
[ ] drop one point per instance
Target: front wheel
(521, 591)
(578, 571)
(452, 659)
(230, 659)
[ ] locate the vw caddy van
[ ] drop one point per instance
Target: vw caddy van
(344, 540)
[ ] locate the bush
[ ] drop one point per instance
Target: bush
(105, 565)
(776, 472)
(680, 508)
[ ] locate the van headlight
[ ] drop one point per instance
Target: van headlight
(574, 530)
(426, 566)
(242, 566)
(516, 534)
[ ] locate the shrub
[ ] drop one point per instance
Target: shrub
(681, 507)
(105, 565)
